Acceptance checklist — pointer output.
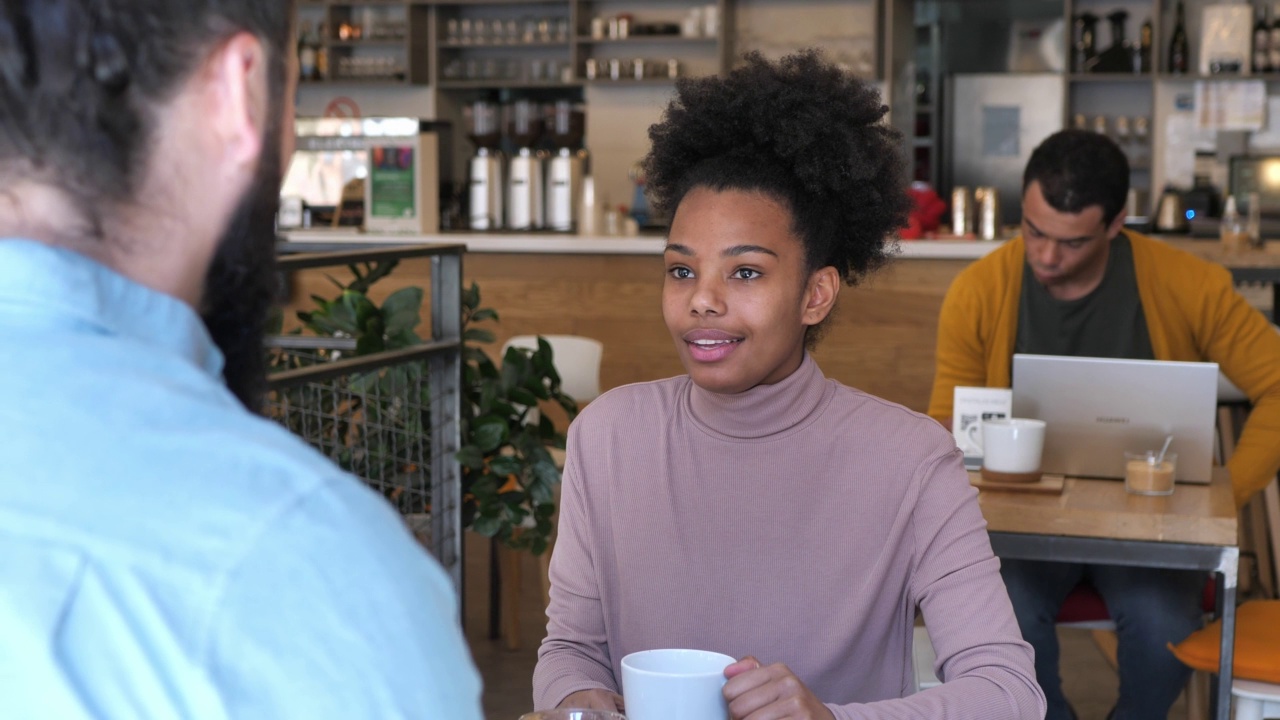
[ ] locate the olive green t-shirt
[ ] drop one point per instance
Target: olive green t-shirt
(1107, 322)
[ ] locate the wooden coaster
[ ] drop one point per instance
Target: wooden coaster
(1006, 477)
(1048, 484)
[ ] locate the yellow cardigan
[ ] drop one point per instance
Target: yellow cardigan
(1193, 313)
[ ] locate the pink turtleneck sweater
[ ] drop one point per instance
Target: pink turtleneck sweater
(801, 522)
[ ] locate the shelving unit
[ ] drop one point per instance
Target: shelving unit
(1151, 95)
(706, 53)
(400, 58)
(1130, 95)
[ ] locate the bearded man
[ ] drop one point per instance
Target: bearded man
(165, 551)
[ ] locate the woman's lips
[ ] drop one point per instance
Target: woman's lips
(710, 345)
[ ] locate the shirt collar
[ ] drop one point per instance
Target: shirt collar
(62, 287)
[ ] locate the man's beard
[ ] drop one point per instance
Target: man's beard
(242, 285)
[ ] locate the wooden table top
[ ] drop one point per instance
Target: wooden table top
(1197, 514)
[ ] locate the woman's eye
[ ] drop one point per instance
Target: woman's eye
(746, 274)
(680, 273)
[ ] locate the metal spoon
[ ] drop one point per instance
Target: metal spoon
(1163, 450)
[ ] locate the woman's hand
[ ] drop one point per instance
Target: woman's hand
(769, 692)
(594, 699)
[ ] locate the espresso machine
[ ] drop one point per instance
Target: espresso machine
(487, 188)
(525, 172)
(567, 167)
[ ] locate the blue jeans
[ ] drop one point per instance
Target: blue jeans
(1149, 606)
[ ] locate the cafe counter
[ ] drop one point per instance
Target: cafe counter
(881, 338)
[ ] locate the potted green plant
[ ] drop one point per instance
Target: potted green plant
(508, 472)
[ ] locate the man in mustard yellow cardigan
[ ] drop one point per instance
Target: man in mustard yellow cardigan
(1076, 283)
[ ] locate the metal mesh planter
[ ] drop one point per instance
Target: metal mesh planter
(389, 418)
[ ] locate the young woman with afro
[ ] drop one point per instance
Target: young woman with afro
(754, 507)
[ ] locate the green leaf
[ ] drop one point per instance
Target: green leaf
(402, 309)
(471, 456)
(484, 314)
(471, 296)
(546, 471)
(540, 492)
(477, 335)
(369, 343)
(506, 465)
(489, 433)
(524, 397)
(487, 526)
(363, 382)
(342, 315)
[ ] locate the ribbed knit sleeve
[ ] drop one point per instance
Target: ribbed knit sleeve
(986, 668)
(575, 654)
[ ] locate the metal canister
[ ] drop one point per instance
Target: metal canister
(961, 211)
(987, 200)
(592, 68)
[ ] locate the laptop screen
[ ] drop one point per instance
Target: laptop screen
(1096, 409)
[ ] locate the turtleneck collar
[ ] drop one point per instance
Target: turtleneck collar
(764, 410)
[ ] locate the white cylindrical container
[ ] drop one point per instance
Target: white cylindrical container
(710, 20)
(525, 204)
(588, 210)
(564, 189)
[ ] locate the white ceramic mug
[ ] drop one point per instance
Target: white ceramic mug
(1012, 445)
(675, 685)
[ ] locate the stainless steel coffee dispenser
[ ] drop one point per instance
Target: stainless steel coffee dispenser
(526, 172)
(566, 168)
(524, 191)
(486, 168)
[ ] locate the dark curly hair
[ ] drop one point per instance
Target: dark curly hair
(1077, 169)
(801, 131)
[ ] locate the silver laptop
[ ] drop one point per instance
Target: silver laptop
(1097, 408)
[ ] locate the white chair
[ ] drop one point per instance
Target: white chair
(922, 658)
(1255, 700)
(577, 361)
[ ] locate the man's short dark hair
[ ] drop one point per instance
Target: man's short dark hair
(80, 81)
(1077, 169)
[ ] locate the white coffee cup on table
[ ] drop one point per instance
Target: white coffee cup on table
(1012, 445)
(673, 684)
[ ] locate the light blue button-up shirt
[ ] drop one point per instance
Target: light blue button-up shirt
(165, 554)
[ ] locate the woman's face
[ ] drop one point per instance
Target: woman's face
(736, 297)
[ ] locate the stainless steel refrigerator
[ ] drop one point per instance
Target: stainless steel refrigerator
(994, 121)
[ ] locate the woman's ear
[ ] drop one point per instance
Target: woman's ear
(820, 295)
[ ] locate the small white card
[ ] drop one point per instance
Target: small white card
(972, 406)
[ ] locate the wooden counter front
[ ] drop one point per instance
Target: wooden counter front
(881, 338)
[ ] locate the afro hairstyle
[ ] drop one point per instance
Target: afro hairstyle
(800, 131)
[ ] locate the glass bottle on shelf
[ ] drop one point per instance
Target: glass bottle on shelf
(1179, 51)
(1145, 36)
(1232, 233)
(1261, 42)
(306, 53)
(1273, 44)
(1253, 227)
(322, 51)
